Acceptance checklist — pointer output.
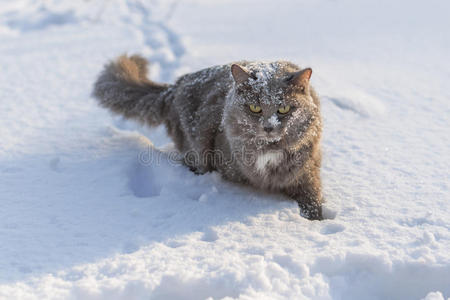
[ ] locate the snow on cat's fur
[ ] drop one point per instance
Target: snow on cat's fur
(208, 115)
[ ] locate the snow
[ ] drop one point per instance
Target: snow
(273, 120)
(91, 210)
(434, 296)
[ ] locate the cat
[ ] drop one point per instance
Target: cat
(256, 123)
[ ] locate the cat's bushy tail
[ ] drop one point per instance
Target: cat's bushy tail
(123, 87)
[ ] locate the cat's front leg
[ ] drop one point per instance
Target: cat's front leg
(309, 199)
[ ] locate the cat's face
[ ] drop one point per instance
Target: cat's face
(271, 106)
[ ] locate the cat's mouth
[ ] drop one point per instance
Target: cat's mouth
(267, 142)
(273, 144)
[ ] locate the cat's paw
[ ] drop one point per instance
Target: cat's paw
(311, 211)
(197, 171)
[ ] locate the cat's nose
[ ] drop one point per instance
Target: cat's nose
(268, 129)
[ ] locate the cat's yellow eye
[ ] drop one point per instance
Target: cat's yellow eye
(255, 108)
(284, 109)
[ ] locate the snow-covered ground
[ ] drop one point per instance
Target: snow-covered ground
(88, 211)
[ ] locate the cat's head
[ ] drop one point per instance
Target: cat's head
(271, 105)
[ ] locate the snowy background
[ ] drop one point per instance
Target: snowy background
(86, 214)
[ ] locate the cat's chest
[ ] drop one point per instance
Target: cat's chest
(267, 161)
(272, 170)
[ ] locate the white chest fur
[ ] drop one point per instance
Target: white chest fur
(271, 158)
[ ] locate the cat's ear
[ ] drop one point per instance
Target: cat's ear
(301, 78)
(239, 74)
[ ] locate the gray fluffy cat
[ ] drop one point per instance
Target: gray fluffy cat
(255, 123)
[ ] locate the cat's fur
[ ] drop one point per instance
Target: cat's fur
(207, 115)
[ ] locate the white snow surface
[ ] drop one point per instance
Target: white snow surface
(90, 211)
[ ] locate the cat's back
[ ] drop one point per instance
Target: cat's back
(196, 103)
(205, 81)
